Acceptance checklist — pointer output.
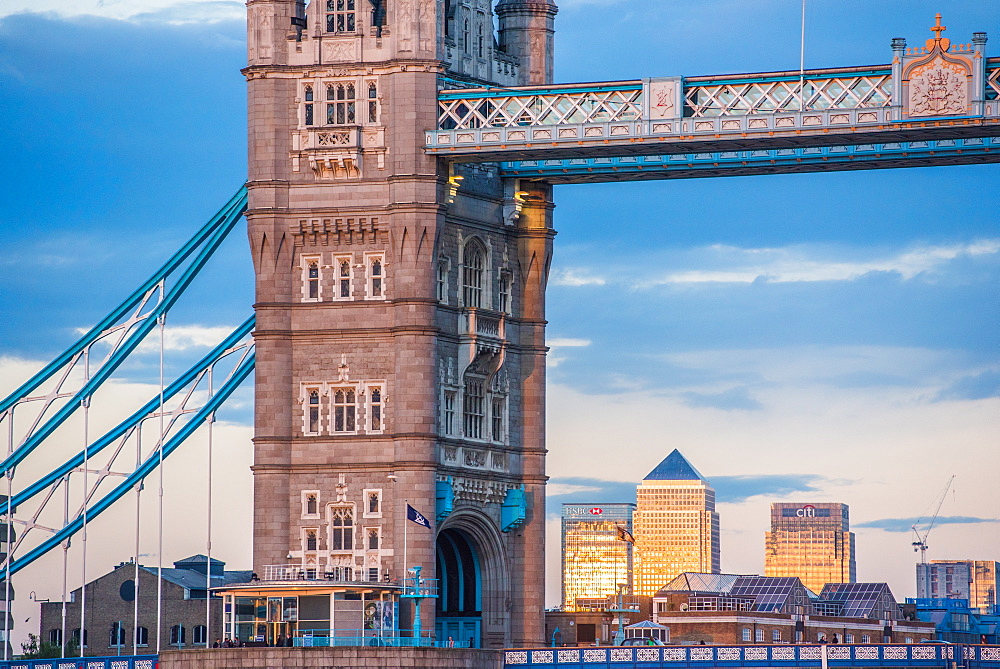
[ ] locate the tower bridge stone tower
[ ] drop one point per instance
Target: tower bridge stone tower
(400, 307)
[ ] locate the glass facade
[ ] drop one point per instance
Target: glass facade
(594, 557)
(676, 530)
(812, 542)
(974, 580)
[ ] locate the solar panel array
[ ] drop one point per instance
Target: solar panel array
(860, 599)
(769, 593)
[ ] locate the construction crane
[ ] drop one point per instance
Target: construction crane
(921, 543)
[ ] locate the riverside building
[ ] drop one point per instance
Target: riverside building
(973, 580)
(676, 526)
(811, 542)
(595, 558)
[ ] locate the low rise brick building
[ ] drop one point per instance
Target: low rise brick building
(734, 609)
(121, 609)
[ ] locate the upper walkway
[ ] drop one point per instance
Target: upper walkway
(945, 94)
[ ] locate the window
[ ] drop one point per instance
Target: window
(340, 16)
(374, 503)
(465, 36)
(758, 635)
(312, 411)
(376, 276)
(345, 278)
(373, 574)
(342, 529)
(116, 637)
(309, 105)
(747, 634)
(344, 410)
(473, 408)
(373, 544)
(442, 280)
(496, 420)
(141, 636)
(480, 42)
(55, 637)
(76, 637)
(310, 279)
(312, 504)
(311, 542)
(865, 638)
(340, 104)
(848, 638)
(200, 636)
(449, 412)
(372, 102)
(375, 409)
(909, 639)
(177, 635)
(776, 636)
(474, 267)
(504, 293)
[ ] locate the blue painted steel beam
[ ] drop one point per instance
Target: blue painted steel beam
(141, 472)
(204, 252)
(129, 423)
(723, 163)
(223, 217)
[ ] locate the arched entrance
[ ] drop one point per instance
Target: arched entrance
(460, 598)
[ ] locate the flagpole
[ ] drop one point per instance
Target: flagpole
(406, 522)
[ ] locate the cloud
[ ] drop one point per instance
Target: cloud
(795, 264)
(182, 338)
(567, 342)
(583, 490)
(734, 398)
(139, 11)
(575, 278)
(906, 524)
(735, 489)
(976, 387)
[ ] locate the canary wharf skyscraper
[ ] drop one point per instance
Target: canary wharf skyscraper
(676, 526)
(812, 542)
(596, 553)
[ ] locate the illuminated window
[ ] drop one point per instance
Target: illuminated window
(342, 529)
(344, 410)
(340, 104)
(340, 16)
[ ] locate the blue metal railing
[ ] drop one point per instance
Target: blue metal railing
(936, 655)
(119, 662)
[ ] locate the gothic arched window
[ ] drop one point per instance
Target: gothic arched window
(372, 540)
(473, 407)
(342, 529)
(314, 411)
(473, 274)
(309, 105)
(344, 410)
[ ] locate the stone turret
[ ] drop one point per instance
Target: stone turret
(527, 28)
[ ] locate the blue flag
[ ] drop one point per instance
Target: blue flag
(417, 517)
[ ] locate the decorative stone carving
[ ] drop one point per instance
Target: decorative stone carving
(938, 88)
(663, 102)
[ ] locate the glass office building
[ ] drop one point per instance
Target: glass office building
(595, 558)
(812, 542)
(974, 580)
(676, 526)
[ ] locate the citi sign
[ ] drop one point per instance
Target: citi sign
(807, 511)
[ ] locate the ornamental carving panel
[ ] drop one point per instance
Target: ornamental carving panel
(938, 88)
(516, 657)
(621, 654)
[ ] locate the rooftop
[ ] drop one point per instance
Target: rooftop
(674, 468)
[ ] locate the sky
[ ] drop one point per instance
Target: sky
(812, 337)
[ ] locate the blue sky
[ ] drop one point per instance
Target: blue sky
(819, 337)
